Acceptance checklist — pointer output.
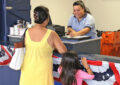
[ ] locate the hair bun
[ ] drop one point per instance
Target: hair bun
(41, 13)
(36, 16)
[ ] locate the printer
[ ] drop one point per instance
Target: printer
(60, 30)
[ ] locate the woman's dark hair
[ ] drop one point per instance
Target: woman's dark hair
(70, 64)
(81, 3)
(41, 13)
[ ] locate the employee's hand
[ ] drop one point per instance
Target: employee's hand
(73, 33)
(68, 33)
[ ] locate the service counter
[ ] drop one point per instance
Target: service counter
(87, 46)
(105, 68)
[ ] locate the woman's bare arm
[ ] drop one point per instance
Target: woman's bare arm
(58, 44)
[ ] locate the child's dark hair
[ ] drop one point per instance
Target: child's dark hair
(41, 13)
(81, 3)
(70, 64)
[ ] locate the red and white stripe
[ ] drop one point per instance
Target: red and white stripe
(4, 60)
(99, 67)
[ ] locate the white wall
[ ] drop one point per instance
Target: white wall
(60, 10)
(106, 13)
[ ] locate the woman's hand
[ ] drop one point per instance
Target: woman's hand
(73, 33)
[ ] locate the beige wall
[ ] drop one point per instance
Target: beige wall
(106, 13)
(60, 10)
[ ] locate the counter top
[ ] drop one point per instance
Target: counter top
(78, 41)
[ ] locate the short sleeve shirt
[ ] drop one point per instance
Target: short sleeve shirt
(86, 21)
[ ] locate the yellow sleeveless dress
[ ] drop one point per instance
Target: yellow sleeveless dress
(38, 65)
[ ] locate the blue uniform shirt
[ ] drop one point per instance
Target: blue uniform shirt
(86, 21)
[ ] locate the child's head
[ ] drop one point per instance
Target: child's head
(70, 64)
(70, 60)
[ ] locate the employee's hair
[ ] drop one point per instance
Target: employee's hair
(70, 64)
(81, 3)
(41, 13)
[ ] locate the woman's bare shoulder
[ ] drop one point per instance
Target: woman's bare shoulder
(30, 29)
(53, 34)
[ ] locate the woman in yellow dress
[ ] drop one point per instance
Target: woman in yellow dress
(40, 42)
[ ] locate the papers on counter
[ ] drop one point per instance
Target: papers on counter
(76, 37)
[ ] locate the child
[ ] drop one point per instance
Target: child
(70, 69)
